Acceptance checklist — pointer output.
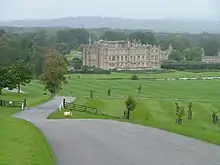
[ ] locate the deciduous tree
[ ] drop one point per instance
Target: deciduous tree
(134, 77)
(190, 111)
(144, 37)
(55, 69)
(77, 63)
(6, 78)
(22, 73)
(91, 93)
(109, 92)
(193, 54)
(139, 89)
(130, 105)
(176, 55)
(210, 46)
(114, 36)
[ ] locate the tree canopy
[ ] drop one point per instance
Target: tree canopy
(55, 68)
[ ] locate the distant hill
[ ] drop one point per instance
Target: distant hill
(163, 25)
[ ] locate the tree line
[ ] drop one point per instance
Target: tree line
(27, 56)
(186, 47)
(32, 45)
(66, 39)
(190, 66)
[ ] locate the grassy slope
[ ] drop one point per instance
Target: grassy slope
(160, 113)
(162, 89)
(21, 143)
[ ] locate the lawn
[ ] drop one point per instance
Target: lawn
(149, 75)
(33, 93)
(21, 143)
(156, 106)
(73, 54)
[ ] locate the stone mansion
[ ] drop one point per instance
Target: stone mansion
(123, 55)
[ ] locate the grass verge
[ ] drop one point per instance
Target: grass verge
(21, 143)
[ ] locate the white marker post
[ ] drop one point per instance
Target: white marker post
(22, 105)
(60, 107)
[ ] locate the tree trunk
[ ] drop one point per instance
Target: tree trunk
(54, 91)
(128, 115)
(19, 88)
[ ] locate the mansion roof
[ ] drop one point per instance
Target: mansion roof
(123, 44)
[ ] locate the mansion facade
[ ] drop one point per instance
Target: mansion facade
(124, 55)
(210, 59)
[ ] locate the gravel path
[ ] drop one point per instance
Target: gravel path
(106, 142)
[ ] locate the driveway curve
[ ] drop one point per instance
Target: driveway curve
(107, 142)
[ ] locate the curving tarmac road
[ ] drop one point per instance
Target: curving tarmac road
(106, 142)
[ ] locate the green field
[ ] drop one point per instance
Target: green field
(155, 103)
(21, 143)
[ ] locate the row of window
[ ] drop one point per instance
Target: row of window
(133, 64)
(133, 58)
(211, 60)
(133, 50)
(126, 51)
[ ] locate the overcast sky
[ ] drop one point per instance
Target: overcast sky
(138, 9)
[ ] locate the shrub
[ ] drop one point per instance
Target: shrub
(90, 71)
(130, 105)
(134, 77)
